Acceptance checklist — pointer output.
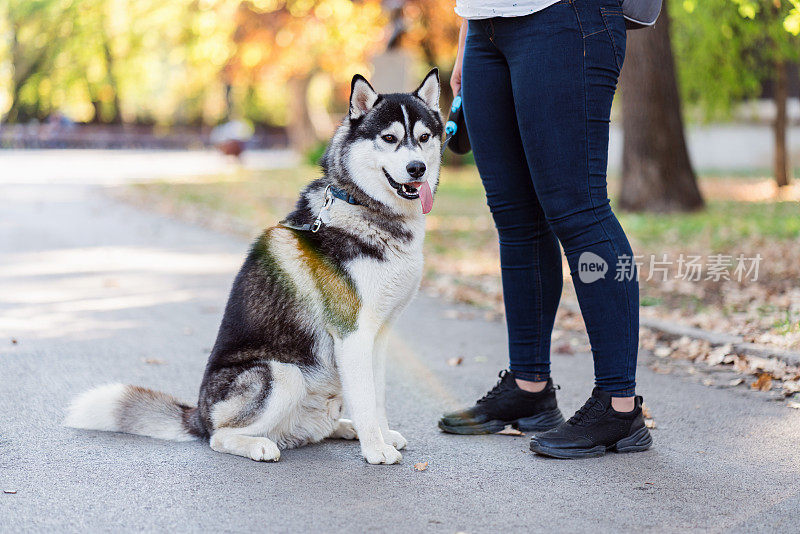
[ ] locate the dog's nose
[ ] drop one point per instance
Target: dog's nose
(416, 169)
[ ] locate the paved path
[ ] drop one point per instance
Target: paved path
(94, 291)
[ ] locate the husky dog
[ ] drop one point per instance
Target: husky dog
(306, 323)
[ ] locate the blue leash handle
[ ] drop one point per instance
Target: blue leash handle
(450, 128)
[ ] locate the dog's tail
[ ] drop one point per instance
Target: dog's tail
(135, 410)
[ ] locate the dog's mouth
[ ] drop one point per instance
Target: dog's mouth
(408, 190)
(413, 190)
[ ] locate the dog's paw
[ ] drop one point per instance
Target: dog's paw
(344, 430)
(264, 450)
(383, 454)
(260, 449)
(396, 439)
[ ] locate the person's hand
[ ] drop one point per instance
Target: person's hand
(455, 79)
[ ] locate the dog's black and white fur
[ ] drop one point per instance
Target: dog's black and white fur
(306, 323)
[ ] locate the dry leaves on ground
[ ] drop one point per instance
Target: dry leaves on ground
(511, 431)
(649, 422)
(421, 466)
(454, 362)
(564, 348)
(768, 373)
(763, 382)
(765, 310)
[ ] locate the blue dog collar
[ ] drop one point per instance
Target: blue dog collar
(344, 195)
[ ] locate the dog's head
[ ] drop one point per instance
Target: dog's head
(389, 145)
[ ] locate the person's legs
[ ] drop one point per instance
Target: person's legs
(564, 63)
(530, 257)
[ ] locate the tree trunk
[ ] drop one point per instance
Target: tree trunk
(116, 112)
(657, 175)
(20, 76)
(782, 172)
(300, 128)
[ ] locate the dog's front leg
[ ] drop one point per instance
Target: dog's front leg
(379, 366)
(354, 355)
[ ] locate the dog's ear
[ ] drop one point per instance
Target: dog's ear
(429, 90)
(362, 96)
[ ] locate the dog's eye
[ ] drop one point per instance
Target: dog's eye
(424, 137)
(389, 138)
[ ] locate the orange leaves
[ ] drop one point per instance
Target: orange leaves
(763, 382)
(281, 40)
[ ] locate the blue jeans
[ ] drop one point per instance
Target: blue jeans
(537, 96)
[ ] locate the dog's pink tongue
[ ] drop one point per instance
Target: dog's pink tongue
(426, 197)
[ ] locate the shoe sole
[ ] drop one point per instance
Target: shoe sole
(537, 423)
(637, 442)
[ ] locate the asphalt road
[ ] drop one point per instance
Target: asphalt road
(93, 291)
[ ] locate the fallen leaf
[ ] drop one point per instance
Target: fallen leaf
(14, 341)
(481, 359)
(735, 382)
(763, 382)
(649, 423)
(646, 412)
(154, 361)
(453, 362)
(717, 356)
(10, 492)
(793, 404)
(564, 348)
(662, 351)
(791, 387)
(741, 364)
(511, 431)
(421, 466)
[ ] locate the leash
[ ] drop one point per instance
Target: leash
(324, 215)
(451, 127)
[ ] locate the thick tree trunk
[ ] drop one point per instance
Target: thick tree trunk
(656, 172)
(300, 128)
(782, 172)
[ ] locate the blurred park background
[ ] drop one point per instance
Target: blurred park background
(705, 129)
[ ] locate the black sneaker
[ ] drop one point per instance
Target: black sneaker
(507, 404)
(595, 429)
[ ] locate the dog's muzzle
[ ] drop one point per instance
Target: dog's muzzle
(407, 190)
